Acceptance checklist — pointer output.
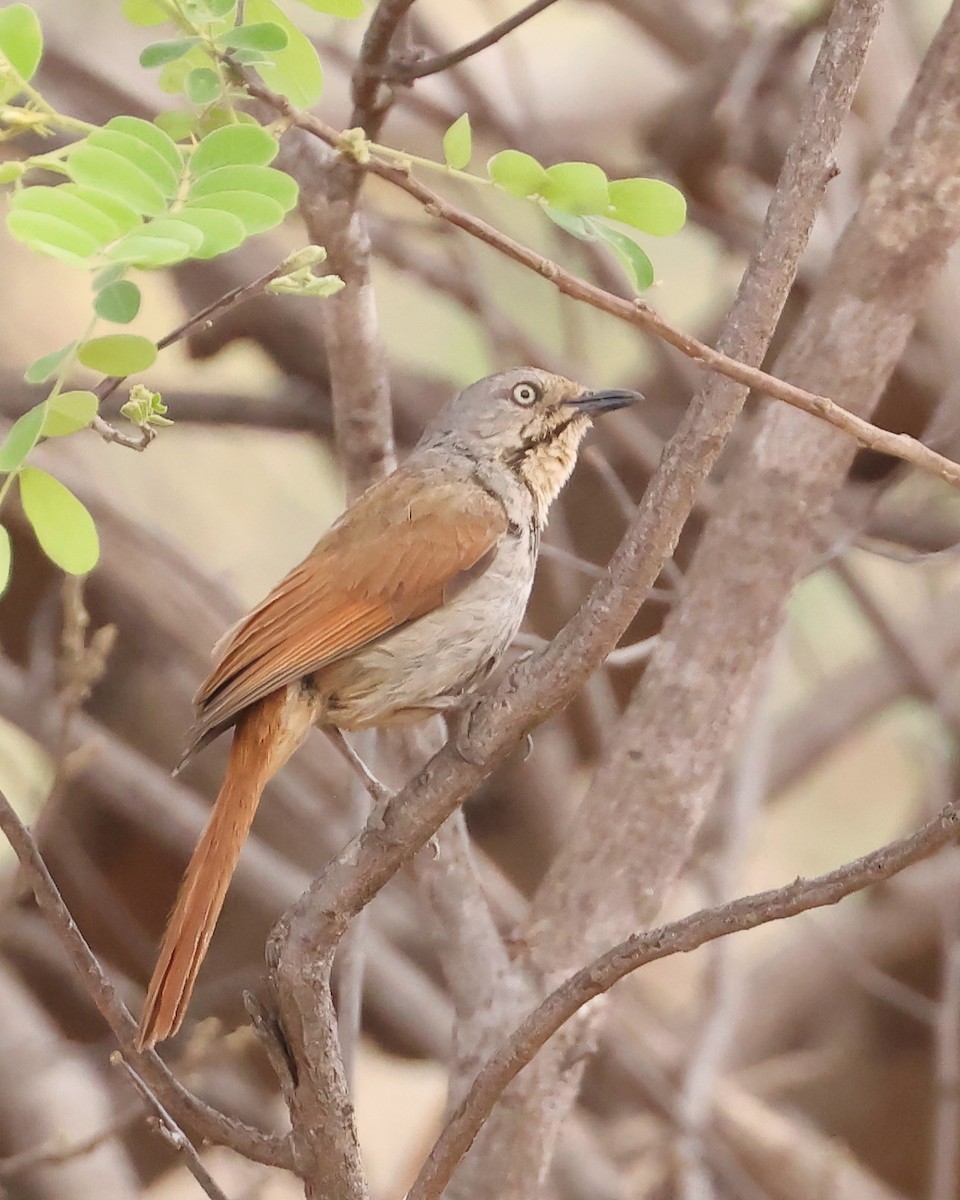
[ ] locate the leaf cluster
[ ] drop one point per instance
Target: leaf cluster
(580, 198)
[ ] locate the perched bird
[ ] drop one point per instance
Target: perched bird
(402, 609)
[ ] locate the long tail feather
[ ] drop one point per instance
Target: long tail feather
(261, 744)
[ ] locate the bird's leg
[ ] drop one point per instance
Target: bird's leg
(379, 792)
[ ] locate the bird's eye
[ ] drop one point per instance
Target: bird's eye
(525, 394)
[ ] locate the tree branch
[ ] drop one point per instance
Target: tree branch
(635, 312)
(407, 72)
(205, 1121)
(171, 1132)
(678, 937)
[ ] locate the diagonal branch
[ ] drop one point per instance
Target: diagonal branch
(635, 312)
(407, 72)
(203, 1120)
(678, 937)
(171, 1132)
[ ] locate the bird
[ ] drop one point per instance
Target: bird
(401, 611)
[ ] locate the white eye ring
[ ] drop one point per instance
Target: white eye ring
(525, 394)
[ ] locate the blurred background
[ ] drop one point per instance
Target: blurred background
(834, 1034)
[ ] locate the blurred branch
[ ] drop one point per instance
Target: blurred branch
(677, 937)
(407, 72)
(475, 961)
(857, 693)
(204, 1120)
(53, 1153)
(722, 988)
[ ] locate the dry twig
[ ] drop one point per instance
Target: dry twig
(678, 937)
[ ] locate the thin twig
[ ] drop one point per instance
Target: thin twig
(678, 937)
(171, 1132)
(109, 384)
(407, 72)
(635, 312)
(205, 1121)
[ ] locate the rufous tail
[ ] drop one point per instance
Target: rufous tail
(253, 759)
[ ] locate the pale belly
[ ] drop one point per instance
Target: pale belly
(433, 663)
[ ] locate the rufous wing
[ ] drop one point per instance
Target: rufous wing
(391, 558)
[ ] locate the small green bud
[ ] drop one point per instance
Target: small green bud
(145, 407)
(309, 256)
(354, 144)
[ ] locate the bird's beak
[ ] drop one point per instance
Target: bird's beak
(601, 402)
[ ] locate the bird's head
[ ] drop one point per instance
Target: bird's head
(528, 420)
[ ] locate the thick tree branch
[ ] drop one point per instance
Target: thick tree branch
(593, 893)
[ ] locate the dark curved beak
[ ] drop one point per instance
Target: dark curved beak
(601, 402)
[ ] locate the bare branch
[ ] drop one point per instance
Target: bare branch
(407, 72)
(171, 1132)
(678, 937)
(205, 1121)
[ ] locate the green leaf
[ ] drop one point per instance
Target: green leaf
(145, 12)
(649, 204)
(64, 528)
(173, 75)
(11, 170)
(517, 173)
(50, 235)
(155, 138)
(6, 556)
(220, 8)
(141, 155)
(145, 407)
(255, 213)
(577, 226)
(221, 231)
(21, 43)
(336, 8)
(203, 86)
(263, 35)
(295, 71)
(108, 275)
(68, 412)
(118, 212)
(118, 302)
(118, 354)
(158, 54)
(178, 123)
(111, 173)
(23, 436)
(233, 145)
(66, 206)
(148, 252)
(634, 261)
(159, 244)
(47, 365)
(260, 181)
(577, 187)
(458, 143)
